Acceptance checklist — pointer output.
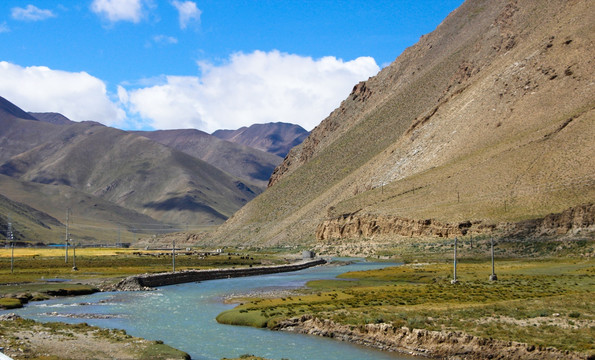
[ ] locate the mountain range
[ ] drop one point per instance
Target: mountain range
(131, 181)
(486, 121)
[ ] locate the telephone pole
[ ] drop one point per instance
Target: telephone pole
(454, 280)
(493, 277)
(173, 255)
(74, 257)
(9, 237)
(67, 235)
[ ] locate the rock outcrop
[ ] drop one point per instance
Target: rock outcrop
(568, 222)
(433, 344)
(368, 225)
(572, 220)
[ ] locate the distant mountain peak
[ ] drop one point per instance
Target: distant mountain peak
(8, 108)
(276, 138)
(52, 118)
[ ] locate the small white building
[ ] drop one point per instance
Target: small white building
(307, 254)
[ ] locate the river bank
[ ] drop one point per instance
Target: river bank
(28, 339)
(420, 342)
(535, 310)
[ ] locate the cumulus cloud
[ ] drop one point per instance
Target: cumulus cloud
(118, 10)
(78, 96)
(258, 87)
(187, 12)
(31, 13)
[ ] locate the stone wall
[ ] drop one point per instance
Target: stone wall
(142, 282)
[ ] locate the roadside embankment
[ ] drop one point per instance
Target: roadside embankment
(147, 281)
(433, 344)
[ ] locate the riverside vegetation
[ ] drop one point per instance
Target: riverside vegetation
(40, 273)
(37, 269)
(544, 302)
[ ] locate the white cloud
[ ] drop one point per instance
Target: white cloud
(4, 28)
(251, 88)
(31, 13)
(164, 39)
(188, 12)
(118, 10)
(78, 96)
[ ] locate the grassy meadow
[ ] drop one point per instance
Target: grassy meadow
(545, 302)
(35, 270)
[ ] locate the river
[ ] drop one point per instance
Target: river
(183, 316)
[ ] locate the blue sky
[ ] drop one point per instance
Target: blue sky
(208, 64)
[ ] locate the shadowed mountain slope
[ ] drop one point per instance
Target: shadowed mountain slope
(254, 165)
(91, 218)
(9, 110)
(123, 170)
(134, 172)
(489, 118)
(276, 138)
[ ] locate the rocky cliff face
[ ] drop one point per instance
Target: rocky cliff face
(368, 226)
(568, 222)
(349, 226)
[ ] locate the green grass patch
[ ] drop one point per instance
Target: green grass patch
(10, 303)
(545, 302)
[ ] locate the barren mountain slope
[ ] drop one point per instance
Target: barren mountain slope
(38, 213)
(247, 163)
(488, 118)
(275, 138)
(128, 170)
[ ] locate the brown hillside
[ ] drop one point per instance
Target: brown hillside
(249, 164)
(98, 171)
(275, 138)
(488, 118)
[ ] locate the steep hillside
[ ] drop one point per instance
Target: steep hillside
(276, 138)
(9, 110)
(134, 172)
(91, 219)
(25, 221)
(489, 118)
(246, 163)
(114, 169)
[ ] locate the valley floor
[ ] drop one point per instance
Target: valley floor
(539, 308)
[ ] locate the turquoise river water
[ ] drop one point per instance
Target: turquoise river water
(183, 316)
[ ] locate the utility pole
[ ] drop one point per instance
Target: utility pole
(74, 257)
(454, 280)
(493, 277)
(173, 255)
(67, 235)
(9, 237)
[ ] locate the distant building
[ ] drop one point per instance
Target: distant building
(307, 254)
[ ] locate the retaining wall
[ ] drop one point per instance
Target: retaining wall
(186, 276)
